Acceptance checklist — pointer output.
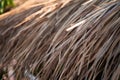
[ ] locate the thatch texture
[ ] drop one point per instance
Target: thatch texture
(62, 40)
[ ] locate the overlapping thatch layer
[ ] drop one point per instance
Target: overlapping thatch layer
(62, 40)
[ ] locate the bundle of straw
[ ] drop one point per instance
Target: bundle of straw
(62, 40)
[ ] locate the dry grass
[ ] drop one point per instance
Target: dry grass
(62, 40)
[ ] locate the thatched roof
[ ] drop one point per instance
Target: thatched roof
(62, 40)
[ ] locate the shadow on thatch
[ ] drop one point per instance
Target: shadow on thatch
(76, 41)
